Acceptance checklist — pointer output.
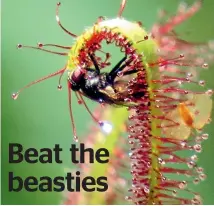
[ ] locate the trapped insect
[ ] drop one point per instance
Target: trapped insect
(103, 87)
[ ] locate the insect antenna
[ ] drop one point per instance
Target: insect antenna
(59, 23)
(15, 95)
(122, 7)
(70, 111)
(19, 46)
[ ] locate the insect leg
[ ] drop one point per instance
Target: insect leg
(130, 72)
(119, 68)
(94, 62)
(116, 68)
(89, 69)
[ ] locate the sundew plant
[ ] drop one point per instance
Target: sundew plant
(153, 101)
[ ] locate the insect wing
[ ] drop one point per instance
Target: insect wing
(191, 114)
(176, 129)
(200, 109)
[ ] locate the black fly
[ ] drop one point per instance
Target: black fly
(100, 86)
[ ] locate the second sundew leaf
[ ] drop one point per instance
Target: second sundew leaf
(117, 117)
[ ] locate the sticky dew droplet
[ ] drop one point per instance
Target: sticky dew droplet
(191, 164)
(189, 75)
(205, 136)
(76, 139)
(59, 87)
(174, 193)
(120, 74)
(199, 170)
(146, 190)
(15, 96)
(201, 83)
(196, 181)
(197, 148)
(40, 45)
(106, 127)
(183, 185)
(202, 177)
(128, 198)
(79, 101)
(209, 120)
(194, 158)
(209, 92)
(181, 56)
(19, 46)
(205, 66)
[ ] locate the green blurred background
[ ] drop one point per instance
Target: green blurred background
(39, 118)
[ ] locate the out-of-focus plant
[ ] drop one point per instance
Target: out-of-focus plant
(116, 170)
